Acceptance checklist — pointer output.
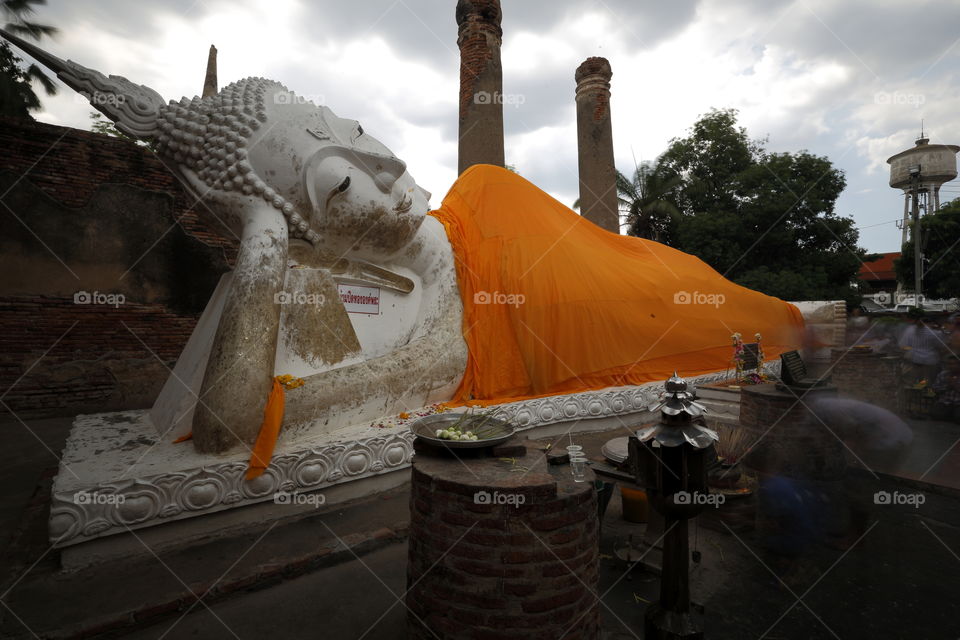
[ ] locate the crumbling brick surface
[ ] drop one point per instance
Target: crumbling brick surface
(70, 164)
(59, 357)
(485, 568)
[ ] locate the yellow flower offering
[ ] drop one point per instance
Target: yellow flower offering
(290, 382)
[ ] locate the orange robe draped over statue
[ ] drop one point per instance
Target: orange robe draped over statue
(554, 304)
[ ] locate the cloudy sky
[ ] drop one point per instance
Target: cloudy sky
(848, 79)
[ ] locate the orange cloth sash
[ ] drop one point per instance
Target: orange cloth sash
(269, 431)
(554, 304)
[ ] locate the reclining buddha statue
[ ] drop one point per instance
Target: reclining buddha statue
(501, 294)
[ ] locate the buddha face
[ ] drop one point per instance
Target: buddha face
(362, 199)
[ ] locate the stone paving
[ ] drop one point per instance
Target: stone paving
(893, 576)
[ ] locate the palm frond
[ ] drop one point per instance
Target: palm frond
(31, 29)
(34, 72)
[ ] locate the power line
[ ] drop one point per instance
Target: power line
(879, 224)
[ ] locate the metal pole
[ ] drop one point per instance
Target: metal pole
(906, 218)
(917, 260)
(675, 576)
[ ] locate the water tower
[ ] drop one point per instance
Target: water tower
(919, 172)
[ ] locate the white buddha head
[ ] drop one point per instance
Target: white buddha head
(362, 198)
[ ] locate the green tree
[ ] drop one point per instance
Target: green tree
(765, 220)
(941, 254)
(645, 202)
(709, 162)
(105, 127)
(17, 97)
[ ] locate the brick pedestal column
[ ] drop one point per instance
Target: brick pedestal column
(481, 83)
(498, 552)
(866, 375)
(800, 465)
(598, 175)
(789, 439)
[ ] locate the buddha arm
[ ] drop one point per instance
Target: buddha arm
(425, 370)
(239, 370)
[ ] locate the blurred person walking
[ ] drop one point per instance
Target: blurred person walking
(921, 349)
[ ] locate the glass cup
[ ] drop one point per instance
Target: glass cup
(578, 467)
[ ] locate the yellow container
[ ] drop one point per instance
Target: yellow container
(635, 505)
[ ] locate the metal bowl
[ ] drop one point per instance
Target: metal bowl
(616, 450)
(426, 428)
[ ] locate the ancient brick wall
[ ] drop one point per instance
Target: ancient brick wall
(106, 269)
(71, 164)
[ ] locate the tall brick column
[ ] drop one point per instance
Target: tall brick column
(598, 175)
(210, 80)
(481, 83)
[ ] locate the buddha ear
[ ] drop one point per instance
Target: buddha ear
(310, 185)
(134, 108)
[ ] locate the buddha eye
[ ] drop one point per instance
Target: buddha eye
(359, 130)
(344, 185)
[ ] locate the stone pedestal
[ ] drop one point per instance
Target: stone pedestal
(866, 375)
(481, 83)
(786, 437)
(598, 175)
(501, 548)
(800, 464)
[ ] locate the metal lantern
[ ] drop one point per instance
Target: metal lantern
(670, 460)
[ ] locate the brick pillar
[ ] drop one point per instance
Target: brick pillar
(210, 80)
(498, 554)
(598, 175)
(786, 437)
(799, 461)
(866, 375)
(481, 83)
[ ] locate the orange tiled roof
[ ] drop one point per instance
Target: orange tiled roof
(881, 268)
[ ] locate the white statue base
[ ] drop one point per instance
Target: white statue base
(117, 475)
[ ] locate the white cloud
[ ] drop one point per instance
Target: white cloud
(805, 73)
